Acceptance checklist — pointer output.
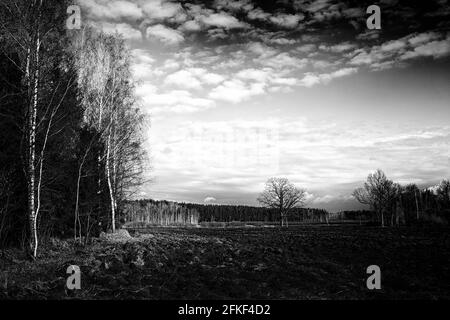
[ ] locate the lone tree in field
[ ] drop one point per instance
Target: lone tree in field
(378, 192)
(283, 195)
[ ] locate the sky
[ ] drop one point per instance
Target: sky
(241, 91)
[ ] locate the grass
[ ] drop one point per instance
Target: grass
(301, 262)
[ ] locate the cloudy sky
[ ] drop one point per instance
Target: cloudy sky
(242, 90)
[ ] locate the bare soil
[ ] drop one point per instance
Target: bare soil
(300, 262)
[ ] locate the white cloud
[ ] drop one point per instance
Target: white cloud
(322, 64)
(305, 48)
(367, 58)
(124, 29)
(318, 5)
(212, 78)
(174, 101)
(311, 79)
(340, 73)
(104, 9)
(142, 56)
(435, 49)
(283, 60)
(209, 200)
(338, 48)
(170, 64)
(184, 79)
(423, 38)
(190, 25)
(330, 198)
(289, 21)
(193, 78)
(261, 49)
(369, 35)
(145, 89)
(223, 20)
(142, 66)
(254, 74)
(282, 20)
(394, 45)
(236, 91)
(324, 199)
(396, 52)
(281, 41)
(234, 5)
(160, 9)
(126, 8)
(284, 81)
(258, 14)
(266, 77)
(165, 34)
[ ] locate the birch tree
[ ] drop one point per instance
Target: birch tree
(34, 37)
(107, 96)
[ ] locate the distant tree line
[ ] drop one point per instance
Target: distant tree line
(362, 215)
(144, 213)
(70, 130)
(137, 210)
(228, 213)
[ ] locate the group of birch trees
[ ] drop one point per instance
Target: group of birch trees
(106, 97)
(71, 143)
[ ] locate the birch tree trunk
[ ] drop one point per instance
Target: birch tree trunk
(76, 220)
(77, 214)
(31, 165)
(114, 165)
(108, 178)
(99, 161)
(417, 204)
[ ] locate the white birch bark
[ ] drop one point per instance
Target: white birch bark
(31, 174)
(108, 178)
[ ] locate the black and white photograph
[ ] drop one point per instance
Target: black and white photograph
(224, 150)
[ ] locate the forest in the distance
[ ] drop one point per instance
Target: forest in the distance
(153, 212)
